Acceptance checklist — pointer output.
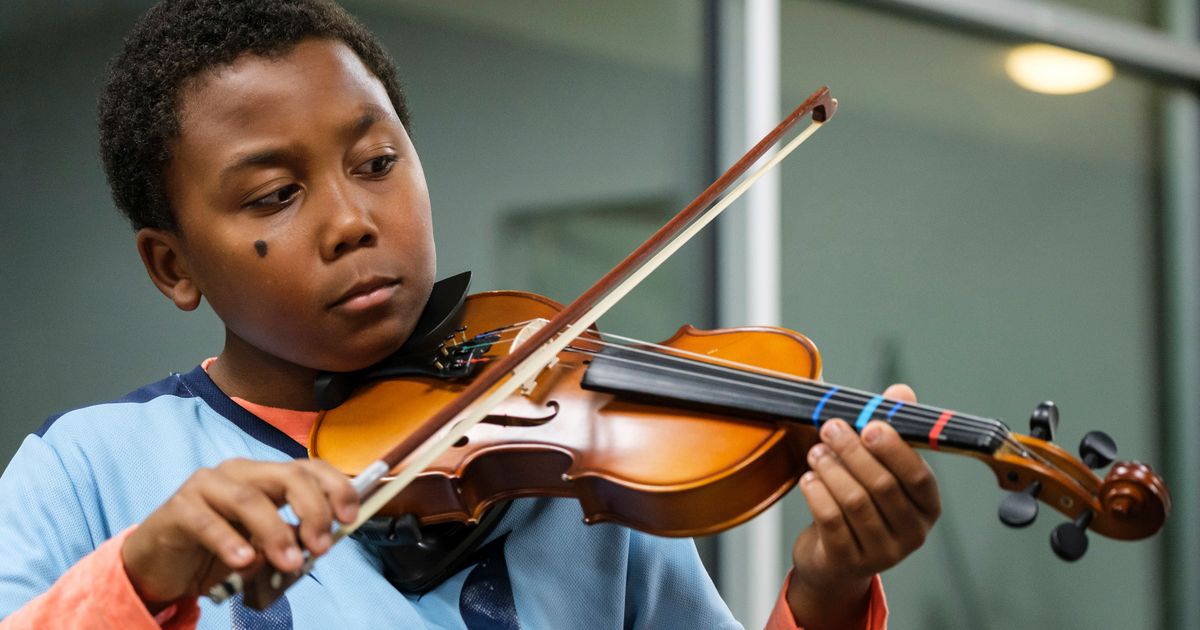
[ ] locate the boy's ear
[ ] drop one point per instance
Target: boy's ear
(167, 266)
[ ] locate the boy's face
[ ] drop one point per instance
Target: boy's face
(302, 208)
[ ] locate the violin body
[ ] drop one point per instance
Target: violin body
(636, 463)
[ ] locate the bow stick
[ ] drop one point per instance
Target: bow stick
(524, 363)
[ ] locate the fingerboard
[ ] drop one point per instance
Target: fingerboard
(687, 383)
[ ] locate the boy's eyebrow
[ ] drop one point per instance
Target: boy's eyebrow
(371, 115)
(258, 158)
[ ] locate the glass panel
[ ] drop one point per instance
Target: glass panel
(993, 247)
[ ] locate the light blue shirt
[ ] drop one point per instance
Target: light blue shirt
(93, 472)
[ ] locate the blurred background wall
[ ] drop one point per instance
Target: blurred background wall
(993, 246)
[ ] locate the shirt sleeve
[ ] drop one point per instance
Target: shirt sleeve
(54, 571)
(96, 594)
(782, 619)
(43, 523)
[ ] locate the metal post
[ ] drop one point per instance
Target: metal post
(1180, 340)
(751, 567)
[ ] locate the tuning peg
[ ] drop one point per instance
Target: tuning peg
(1069, 540)
(1043, 422)
(1097, 449)
(1019, 509)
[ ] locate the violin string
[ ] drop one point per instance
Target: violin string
(916, 415)
(927, 417)
(773, 376)
(853, 399)
(923, 416)
(481, 340)
(770, 377)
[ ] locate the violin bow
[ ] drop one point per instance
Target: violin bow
(527, 360)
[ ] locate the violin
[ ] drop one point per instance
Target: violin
(509, 394)
(690, 436)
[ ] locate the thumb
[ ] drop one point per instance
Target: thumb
(902, 392)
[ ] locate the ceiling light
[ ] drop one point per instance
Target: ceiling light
(1052, 70)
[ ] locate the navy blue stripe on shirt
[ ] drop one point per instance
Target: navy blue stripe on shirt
(170, 386)
(486, 601)
(277, 616)
(199, 384)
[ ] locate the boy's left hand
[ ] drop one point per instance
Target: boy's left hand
(873, 500)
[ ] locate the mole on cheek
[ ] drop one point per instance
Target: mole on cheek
(261, 248)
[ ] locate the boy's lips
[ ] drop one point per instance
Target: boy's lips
(367, 294)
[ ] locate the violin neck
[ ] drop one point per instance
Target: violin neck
(704, 386)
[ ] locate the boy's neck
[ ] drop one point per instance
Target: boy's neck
(246, 372)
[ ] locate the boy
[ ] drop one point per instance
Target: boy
(260, 150)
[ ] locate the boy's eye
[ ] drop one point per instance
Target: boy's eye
(378, 166)
(278, 198)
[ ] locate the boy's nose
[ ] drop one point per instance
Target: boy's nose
(342, 247)
(349, 227)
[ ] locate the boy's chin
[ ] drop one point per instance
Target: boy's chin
(345, 351)
(352, 360)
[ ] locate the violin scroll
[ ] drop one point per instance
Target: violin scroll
(1132, 495)
(1135, 500)
(1130, 503)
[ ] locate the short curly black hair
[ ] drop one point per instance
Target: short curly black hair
(180, 39)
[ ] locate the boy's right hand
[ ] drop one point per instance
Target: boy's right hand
(226, 519)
